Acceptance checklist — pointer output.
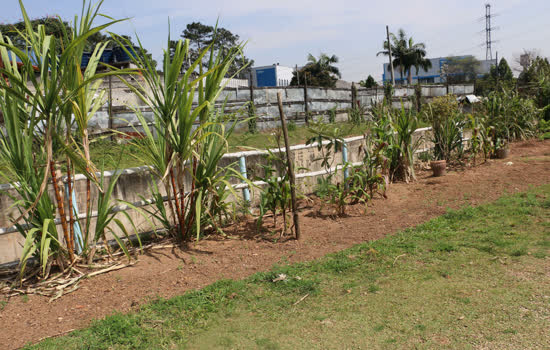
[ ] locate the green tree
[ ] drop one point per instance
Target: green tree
(52, 25)
(369, 82)
(500, 76)
(406, 54)
(201, 36)
(534, 82)
(318, 71)
(461, 69)
(538, 69)
(503, 71)
(416, 57)
(397, 45)
(60, 30)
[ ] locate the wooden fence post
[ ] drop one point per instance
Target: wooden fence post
(306, 106)
(291, 177)
(353, 95)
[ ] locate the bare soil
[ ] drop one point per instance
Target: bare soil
(172, 271)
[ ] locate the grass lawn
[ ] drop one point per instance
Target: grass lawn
(473, 278)
(110, 152)
(112, 155)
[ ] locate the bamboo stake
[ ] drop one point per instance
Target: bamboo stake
(290, 168)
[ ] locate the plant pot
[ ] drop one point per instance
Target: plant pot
(502, 153)
(438, 167)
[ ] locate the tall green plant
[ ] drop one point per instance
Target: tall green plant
(396, 128)
(39, 96)
(175, 147)
(447, 129)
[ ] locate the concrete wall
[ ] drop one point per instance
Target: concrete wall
(134, 185)
(319, 100)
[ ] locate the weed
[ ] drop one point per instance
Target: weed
(444, 247)
(292, 126)
(420, 327)
(373, 288)
(268, 344)
(519, 251)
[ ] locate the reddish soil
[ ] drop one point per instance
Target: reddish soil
(169, 272)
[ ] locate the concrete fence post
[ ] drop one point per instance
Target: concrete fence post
(345, 159)
(77, 232)
(242, 166)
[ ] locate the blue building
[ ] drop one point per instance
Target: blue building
(274, 75)
(434, 74)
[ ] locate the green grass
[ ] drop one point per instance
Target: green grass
(108, 153)
(473, 278)
(242, 140)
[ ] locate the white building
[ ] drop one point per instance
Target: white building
(434, 74)
(273, 75)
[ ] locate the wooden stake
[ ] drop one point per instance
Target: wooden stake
(111, 109)
(306, 106)
(290, 168)
(390, 56)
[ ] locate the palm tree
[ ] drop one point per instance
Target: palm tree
(324, 63)
(406, 54)
(416, 57)
(398, 50)
(319, 71)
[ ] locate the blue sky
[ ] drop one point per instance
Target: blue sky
(285, 31)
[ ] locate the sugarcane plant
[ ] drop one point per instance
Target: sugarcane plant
(186, 138)
(42, 98)
(396, 128)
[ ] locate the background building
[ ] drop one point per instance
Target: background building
(274, 75)
(434, 74)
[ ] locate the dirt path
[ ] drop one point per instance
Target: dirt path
(170, 272)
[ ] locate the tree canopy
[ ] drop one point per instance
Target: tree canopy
(461, 69)
(369, 82)
(406, 54)
(319, 71)
(201, 36)
(58, 28)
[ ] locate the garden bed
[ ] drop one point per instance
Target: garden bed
(171, 271)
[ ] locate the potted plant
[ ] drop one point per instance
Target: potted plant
(502, 150)
(447, 125)
(439, 167)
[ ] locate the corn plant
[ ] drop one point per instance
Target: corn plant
(374, 166)
(511, 116)
(332, 115)
(275, 194)
(480, 142)
(356, 115)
